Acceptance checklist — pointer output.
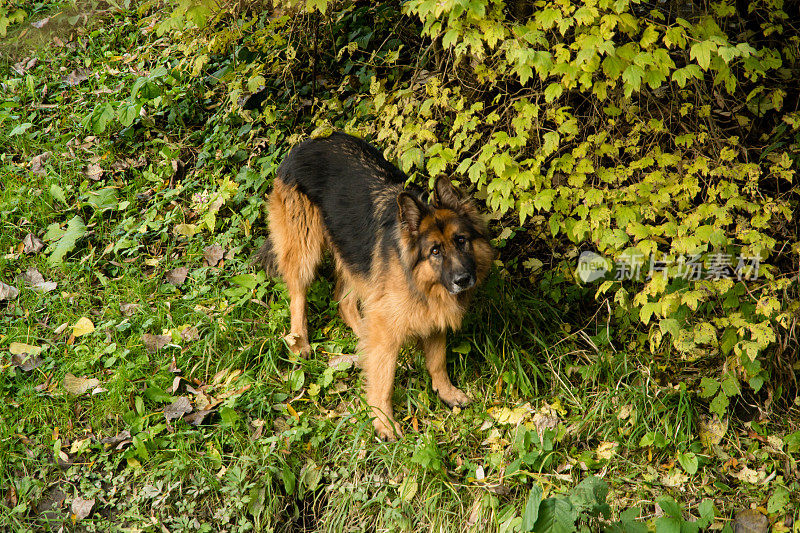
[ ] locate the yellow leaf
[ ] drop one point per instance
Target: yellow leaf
(18, 348)
(82, 327)
(606, 449)
(187, 230)
(504, 415)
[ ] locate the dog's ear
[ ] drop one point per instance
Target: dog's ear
(410, 210)
(445, 196)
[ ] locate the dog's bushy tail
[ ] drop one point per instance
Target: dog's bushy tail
(265, 258)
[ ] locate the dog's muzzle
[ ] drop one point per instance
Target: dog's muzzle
(461, 282)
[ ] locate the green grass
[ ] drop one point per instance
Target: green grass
(287, 445)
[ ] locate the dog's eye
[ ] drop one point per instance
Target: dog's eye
(435, 250)
(461, 240)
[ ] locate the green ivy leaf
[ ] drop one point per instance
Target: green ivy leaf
(632, 76)
(553, 91)
(701, 52)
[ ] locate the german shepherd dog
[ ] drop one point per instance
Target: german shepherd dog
(405, 268)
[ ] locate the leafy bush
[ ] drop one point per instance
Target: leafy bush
(655, 135)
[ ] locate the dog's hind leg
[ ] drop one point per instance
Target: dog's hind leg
(348, 304)
(298, 238)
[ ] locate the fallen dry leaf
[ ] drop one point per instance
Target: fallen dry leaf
(33, 278)
(38, 161)
(25, 65)
(76, 77)
(7, 292)
(177, 276)
(750, 521)
(93, 172)
(505, 415)
(546, 417)
(20, 348)
(475, 512)
(128, 309)
(675, 478)
(712, 429)
(181, 406)
(190, 334)
(197, 417)
(122, 436)
(258, 426)
(78, 386)
(26, 362)
(213, 254)
(25, 356)
(153, 343)
(187, 230)
(83, 326)
(32, 244)
(81, 508)
(346, 360)
(748, 475)
(39, 24)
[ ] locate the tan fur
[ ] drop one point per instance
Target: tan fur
(298, 239)
(385, 309)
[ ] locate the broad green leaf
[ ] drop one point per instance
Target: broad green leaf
(689, 462)
(20, 129)
(719, 404)
(590, 495)
(532, 508)
(556, 515)
(707, 513)
(102, 115)
(104, 199)
(248, 281)
(668, 525)
(76, 229)
(547, 18)
(58, 193)
(669, 506)
(709, 387)
(552, 92)
(730, 385)
(128, 112)
(779, 500)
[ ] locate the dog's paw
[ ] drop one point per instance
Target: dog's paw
(388, 430)
(298, 345)
(453, 396)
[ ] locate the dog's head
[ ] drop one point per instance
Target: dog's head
(447, 239)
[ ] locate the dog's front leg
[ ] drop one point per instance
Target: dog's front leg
(435, 359)
(379, 351)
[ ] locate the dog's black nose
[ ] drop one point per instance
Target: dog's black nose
(464, 280)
